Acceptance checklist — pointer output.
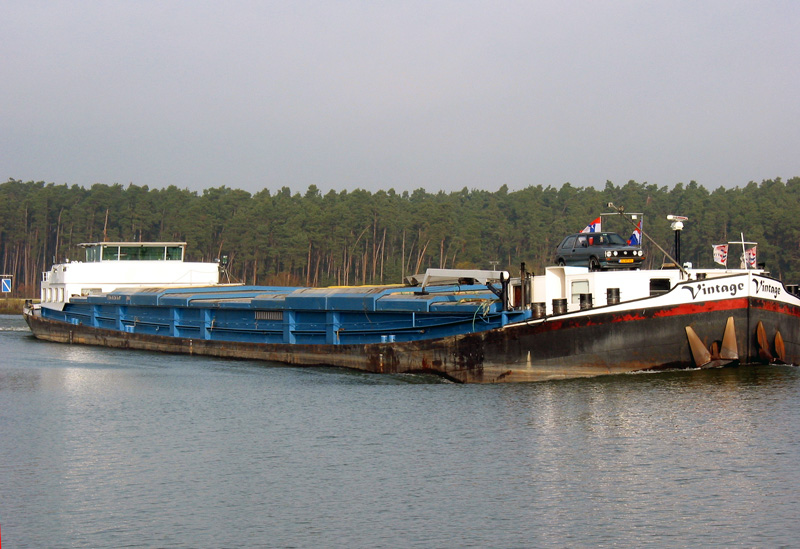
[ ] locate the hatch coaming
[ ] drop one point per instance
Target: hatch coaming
(283, 315)
(244, 323)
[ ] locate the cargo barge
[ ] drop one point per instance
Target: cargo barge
(469, 326)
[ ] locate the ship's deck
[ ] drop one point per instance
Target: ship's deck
(270, 314)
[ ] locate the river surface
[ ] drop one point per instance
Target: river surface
(114, 448)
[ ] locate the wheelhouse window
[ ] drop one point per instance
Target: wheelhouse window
(174, 253)
(141, 253)
(134, 252)
(92, 254)
(110, 253)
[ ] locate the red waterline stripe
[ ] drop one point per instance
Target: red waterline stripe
(692, 308)
(775, 307)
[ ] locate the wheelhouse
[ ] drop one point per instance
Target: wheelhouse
(127, 251)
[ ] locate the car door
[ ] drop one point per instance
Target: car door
(580, 254)
(565, 250)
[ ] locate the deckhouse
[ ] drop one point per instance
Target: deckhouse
(112, 265)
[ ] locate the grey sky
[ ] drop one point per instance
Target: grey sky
(377, 94)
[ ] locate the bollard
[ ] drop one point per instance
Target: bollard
(559, 306)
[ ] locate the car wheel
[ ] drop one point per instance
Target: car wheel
(594, 264)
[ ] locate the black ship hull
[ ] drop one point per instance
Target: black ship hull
(589, 343)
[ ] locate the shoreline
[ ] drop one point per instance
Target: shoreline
(12, 305)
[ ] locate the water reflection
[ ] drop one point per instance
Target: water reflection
(19, 380)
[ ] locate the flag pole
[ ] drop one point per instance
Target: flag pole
(621, 212)
(744, 254)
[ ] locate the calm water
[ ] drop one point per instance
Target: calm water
(103, 448)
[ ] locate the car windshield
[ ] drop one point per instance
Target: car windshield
(611, 239)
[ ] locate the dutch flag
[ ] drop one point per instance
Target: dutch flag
(636, 237)
(593, 227)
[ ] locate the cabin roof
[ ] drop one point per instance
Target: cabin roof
(132, 244)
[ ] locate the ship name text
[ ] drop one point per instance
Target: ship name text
(763, 286)
(704, 289)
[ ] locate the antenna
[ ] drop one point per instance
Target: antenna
(677, 226)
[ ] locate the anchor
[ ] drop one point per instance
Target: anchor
(719, 355)
(764, 349)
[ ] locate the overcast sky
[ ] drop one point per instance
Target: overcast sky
(408, 94)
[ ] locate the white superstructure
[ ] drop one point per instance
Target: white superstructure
(570, 283)
(111, 265)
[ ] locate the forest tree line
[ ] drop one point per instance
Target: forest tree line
(361, 237)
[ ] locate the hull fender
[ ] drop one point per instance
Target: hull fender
(730, 350)
(780, 347)
(763, 343)
(700, 354)
(718, 355)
